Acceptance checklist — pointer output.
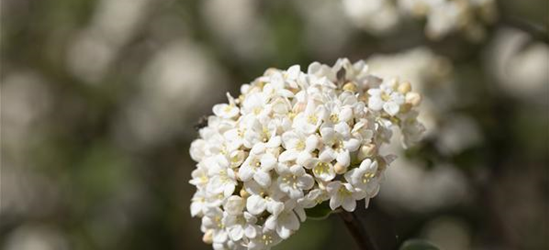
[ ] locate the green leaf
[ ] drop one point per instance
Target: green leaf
(417, 244)
(319, 212)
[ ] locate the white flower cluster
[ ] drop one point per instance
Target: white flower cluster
(442, 16)
(291, 141)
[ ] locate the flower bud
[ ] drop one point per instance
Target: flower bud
(350, 86)
(404, 87)
(413, 98)
(208, 237)
(366, 151)
(243, 193)
(270, 71)
(340, 169)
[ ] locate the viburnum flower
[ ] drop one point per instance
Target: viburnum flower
(291, 141)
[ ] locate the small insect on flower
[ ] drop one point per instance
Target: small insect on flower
(202, 122)
(293, 140)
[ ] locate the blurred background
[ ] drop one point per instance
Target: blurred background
(99, 99)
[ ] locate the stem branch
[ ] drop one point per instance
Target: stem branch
(357, 230)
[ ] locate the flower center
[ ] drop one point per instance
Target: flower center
(265, 134)
(267, 239)
(300, 145)
(312, 119)
(217, 220)
(343, 192)
(334, 118)
(291, 180)
(338, 145)
(321, 168)
(318, 200)
(204, 179)
(224, 178)
(291, 115)
(255, 164)
(367, 177)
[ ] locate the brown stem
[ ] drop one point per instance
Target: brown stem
(357, 230)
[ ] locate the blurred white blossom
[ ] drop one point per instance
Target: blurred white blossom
(92, 50)
(519, 65)
(242, 30)
(175, 79)
(36, 237)
(410, 186)
(26, 99)
(442, 16)
(376, 16)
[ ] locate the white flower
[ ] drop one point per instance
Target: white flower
(285, 222)
(225, 110)
(257, 205)
(235, 137)
(342, 194)
(313, 198)
(411, 129)
(198, 203)
(200, 177)
(223, 179)
(339, 140)
(386, 98)
(213, 221)
(254, 105)
(294, 181)
(308, 121)
(286, 145)
(234, 205)
(242, 225)
(298, 147)
(257, 167)
(322, 166)
(364, 179)
(264, 241)
(198, 149)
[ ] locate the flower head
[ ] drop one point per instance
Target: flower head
(293, 140)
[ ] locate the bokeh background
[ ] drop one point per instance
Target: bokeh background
(99, 99)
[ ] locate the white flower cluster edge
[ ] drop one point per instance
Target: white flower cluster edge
(291, 141)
